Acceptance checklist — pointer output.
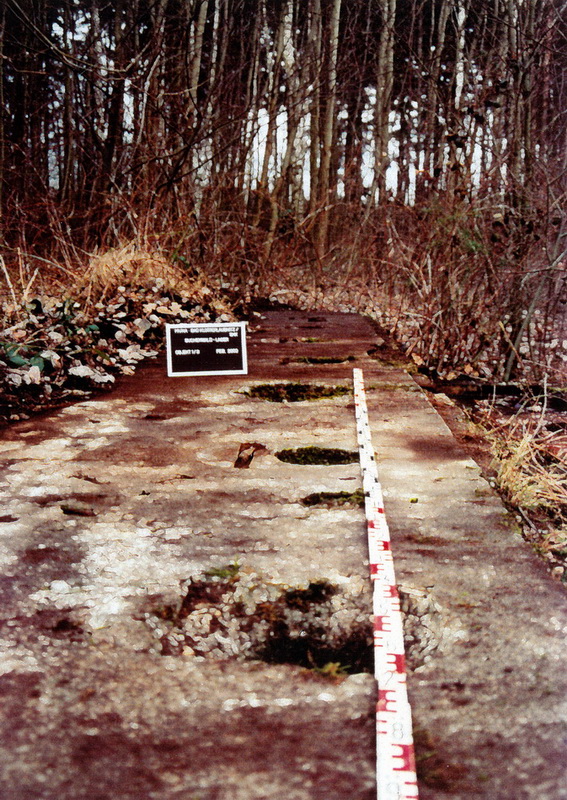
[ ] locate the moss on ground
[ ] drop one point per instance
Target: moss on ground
(318, 455)
(319, 360)
(295, 392)
(332, 499)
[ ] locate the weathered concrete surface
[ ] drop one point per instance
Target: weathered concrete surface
(90, 706)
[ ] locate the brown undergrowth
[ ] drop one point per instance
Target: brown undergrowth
(523, 454)
(530, 458)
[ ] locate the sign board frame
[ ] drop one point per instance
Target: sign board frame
(200, 351)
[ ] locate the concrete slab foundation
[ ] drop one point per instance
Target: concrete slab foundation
(145, 580)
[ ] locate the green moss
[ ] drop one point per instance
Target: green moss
(393, 387)
(320, 359)
(295, 392)
(332, 670)
(355, 498)
(318, 455)
(228, 572)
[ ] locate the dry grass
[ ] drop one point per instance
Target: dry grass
(133, 266)
(531, 467)
(106, 274)
(529, 474)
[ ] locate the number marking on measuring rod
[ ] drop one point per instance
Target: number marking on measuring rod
(395, 760)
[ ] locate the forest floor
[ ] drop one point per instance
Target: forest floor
(177, 627)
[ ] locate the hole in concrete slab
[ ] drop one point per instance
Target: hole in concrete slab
(352, 655)
(66, 627)
(318, 626)
(333, 499)
(295, 392)
(317, 360)
(318, 455)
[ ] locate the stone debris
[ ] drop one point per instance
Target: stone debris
(250, 617)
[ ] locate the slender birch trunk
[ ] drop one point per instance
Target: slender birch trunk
(321, 241)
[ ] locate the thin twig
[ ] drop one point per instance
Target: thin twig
(543, 408)
(8, 281)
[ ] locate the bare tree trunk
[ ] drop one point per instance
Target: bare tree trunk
(273, 96)
(198, 34)
(432, 151)
(321, 241)
(273, 107)
(315, 45)
(457, 182)
(252, 110)
(282, 184)
(384, 83)
(150, 132)
(67, 184)
(2, 127)
(115, 133)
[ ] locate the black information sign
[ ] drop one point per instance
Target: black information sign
(207, 349)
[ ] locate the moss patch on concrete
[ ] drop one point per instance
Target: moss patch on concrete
(333, 499)
(295, 392)
(318, 360)
(318, 455)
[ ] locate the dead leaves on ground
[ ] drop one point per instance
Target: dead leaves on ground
(57, 349)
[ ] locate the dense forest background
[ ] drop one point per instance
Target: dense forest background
(412, 153)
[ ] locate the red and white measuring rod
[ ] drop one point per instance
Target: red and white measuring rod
(395, 761)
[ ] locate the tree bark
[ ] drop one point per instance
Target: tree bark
(384, 84)
(322, 233)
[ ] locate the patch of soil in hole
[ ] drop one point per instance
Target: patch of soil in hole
(334, 499)
(318, 455)
(318, 626)
(67, 628)
(295, 392)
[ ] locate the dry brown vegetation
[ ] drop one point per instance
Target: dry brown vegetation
(62, 345)
(406, 157)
